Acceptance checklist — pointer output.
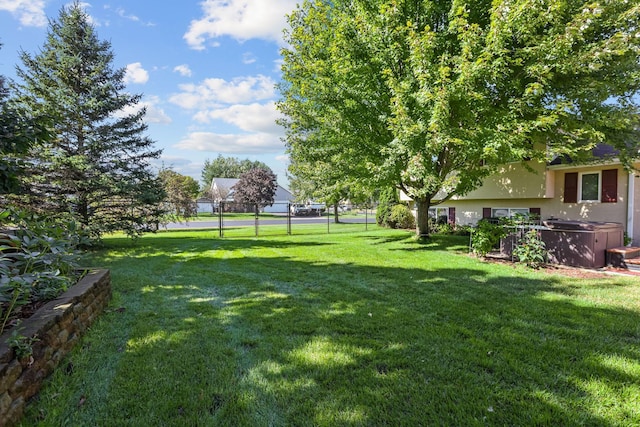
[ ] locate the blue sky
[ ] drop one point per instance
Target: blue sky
(206, 69)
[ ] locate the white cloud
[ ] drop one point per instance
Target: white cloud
(257, 143)
(250, 118)
(155, 113)
(121, 12)
(240, 19)
(136, 74)
(248, 58)
(211, 93)
(179, 164)
(183, 69)
(30, 13)
(131, 17)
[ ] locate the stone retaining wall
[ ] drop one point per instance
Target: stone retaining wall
(58, 325)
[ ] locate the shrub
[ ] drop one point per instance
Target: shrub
(401, 217)
(37, 262)
(445, 228)
(462, 230)
(388, 199)
(531, 250)
(486, 236)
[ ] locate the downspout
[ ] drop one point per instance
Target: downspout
(630, 204)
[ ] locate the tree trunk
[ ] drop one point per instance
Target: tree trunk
(422, 222)
(336, 217)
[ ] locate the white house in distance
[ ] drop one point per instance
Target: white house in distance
(221, 190)
(601, 191)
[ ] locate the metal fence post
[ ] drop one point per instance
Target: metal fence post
(328, 216)
(220, 221)
(366, 218)
(255, 207)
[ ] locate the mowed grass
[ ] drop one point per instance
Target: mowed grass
(345, 329)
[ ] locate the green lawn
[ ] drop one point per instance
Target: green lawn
(346, 329)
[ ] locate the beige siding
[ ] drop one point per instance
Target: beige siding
(515, 187)
(591, 211)
(513, 181)
(469, 210)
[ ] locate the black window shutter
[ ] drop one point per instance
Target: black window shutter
(570, 187)
(609, 186)
(536, 211)
(486, 212)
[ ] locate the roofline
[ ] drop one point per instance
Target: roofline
(608, 162)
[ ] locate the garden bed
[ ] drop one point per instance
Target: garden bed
(57, 326)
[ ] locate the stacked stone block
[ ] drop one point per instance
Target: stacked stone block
(58, 325)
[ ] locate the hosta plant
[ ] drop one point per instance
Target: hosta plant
(38, 261)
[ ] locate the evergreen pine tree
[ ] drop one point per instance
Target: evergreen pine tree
(18, 133)
(96, 166)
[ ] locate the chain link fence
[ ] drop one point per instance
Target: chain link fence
(240, 219)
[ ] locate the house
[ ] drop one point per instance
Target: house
(601, 191)
(205, 205)
(222, 190)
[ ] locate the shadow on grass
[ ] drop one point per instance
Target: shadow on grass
(269, 340)
(412, 243)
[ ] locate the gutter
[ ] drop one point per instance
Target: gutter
(630, 204)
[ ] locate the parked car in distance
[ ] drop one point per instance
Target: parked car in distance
(300, 210)
(317, 209)
(312, 209)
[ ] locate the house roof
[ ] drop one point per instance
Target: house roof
(599, 152)
(282, 194)
(225, 183)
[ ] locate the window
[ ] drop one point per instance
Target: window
(508, 212)
(527, 214)
(600, 186)
(589, 184)
(439, 215)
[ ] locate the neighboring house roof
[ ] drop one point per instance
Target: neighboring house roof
(224, 183)
(282, 194)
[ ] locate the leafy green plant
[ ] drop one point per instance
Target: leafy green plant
(401, 217)
(486, 236)
(626, 239)
(388, 199)
(445, 228)
(38, 261)
(531, 250)
(462, 230)
(21, 345)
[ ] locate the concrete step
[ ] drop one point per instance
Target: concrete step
(623, 256)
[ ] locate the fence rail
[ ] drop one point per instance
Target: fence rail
(238, 219)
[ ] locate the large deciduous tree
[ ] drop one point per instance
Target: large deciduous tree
(96, 167)
(257, 187)
(227, 167)
(431, 96)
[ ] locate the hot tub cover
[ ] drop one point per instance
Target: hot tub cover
(562, 224)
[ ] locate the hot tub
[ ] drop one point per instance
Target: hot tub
(581, 243)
